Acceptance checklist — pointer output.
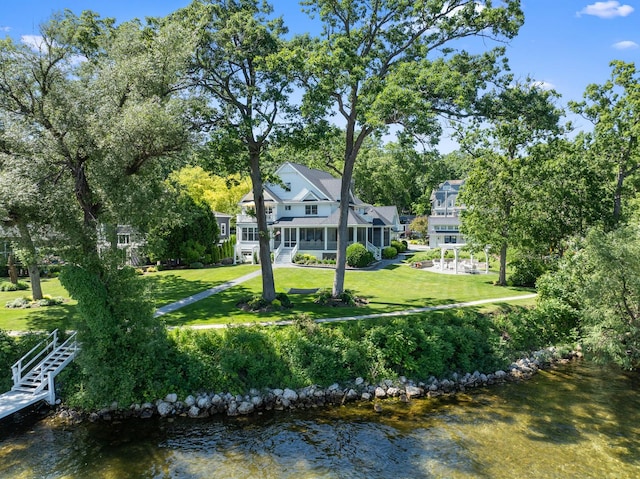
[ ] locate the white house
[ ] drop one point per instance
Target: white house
(444, 220)
(302, 213)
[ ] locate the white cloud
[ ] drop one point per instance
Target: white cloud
(625, 45)
(609, 9)
(36, 42)
(5, 29)
(543, 85)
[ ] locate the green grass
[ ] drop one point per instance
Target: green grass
(396, 288)
(44, 318)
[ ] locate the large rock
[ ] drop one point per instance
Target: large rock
(290, 395)
(413, 391)
(165, 408)
(245, 408)
(173, 397)
(380, 393)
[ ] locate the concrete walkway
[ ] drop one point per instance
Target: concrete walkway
(406, 312)
(169, 308)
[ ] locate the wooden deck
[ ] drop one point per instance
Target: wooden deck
(14, 401)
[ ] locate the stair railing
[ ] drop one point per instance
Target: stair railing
(47, 376)
(35, 356)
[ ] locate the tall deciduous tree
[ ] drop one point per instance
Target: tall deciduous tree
(614, 109)
(99, 103)
(237, 66)
(517, 118)
(383, 62)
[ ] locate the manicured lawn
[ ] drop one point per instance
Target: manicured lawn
(173, 285)
(398, 287)
(395, 288)
(43, 318)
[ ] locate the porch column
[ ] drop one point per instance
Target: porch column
(441, 258)
(455, 261)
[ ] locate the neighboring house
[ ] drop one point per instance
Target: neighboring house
(444, 221)
(302, 214)
(128, 240)
(224, 226)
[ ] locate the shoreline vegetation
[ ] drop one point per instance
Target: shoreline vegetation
(313, 364)
(211, 404)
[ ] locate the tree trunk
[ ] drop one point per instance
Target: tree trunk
(617, 199)
(36, 285)
(343, 225)
(268, 284)
(502, 276)
(13, 273)
(30, 257)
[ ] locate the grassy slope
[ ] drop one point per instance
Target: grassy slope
(395, 288)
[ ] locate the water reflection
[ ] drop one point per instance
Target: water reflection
(570, 422)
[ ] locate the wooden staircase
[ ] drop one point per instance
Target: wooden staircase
(34, 373)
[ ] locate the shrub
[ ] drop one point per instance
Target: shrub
(400, 246)
(139, 271)
(19, 286)
(196, 265)
(49, 301)
(152, 269)
(389, 252)
(358, 256)
(527, 271)
(18, 303)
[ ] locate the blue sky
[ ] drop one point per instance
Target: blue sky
(566, 44)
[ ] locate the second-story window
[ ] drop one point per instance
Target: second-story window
(287, 207)
(223, 229)
(311, 210)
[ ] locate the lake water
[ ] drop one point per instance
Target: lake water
(576, 421)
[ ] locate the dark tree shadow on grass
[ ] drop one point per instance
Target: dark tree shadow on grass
(170, 288)
(64, 317)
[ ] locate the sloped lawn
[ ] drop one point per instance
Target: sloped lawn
(396, 288)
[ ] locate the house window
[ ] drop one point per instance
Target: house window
(287, 207)
(450, 239)
(124, 239)
(223, 229)
(311, 210)
(287, 186)
(250, 234)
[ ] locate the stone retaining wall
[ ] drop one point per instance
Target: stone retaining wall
(211, 404)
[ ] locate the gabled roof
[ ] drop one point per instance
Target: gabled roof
(441, 192)
(268, 196)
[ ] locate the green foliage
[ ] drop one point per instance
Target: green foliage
(13, 348)
(123, 347)
(18, 303)
(420, 225)
(358, 256)
(196, 265)
(389, 252)
(8, 286)
(527, 270)
(400, 246)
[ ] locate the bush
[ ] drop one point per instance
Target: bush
(389, 252)
(400, 246)
(18, 303)
(358, 256)
(152, 269)
(19, 286)
(527, 271)
(196, 265)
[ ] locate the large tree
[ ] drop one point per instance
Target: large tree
(99, 103)
(384, 62)
(516, 119)
(614, 109)
(237, 66)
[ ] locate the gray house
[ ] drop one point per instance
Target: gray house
(444, 221)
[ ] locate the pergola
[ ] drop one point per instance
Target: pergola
(456, 247)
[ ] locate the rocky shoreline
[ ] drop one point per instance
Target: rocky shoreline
(255, 401)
